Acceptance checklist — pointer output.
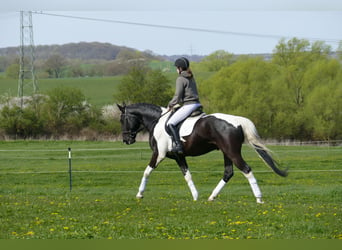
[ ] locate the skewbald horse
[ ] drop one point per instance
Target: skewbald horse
(211, 132)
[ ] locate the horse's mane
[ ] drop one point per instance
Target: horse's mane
(151, 108)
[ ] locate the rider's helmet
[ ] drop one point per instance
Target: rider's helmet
(183, 63)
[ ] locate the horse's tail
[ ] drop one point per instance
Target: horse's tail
(253, 138)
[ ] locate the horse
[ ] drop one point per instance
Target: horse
(211, 132)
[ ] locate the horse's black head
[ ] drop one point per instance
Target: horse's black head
(130, 124)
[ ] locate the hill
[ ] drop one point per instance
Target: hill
(89, 51)
(82, 51)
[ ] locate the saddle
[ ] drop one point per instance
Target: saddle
(185, 127)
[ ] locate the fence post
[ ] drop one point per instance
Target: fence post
(70, 170)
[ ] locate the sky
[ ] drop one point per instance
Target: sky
(176, 27)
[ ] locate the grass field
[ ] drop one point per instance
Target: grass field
(99, 91)
(35, 201)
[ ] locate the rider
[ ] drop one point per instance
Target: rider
(184, 102)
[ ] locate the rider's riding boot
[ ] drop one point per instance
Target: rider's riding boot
(178, 148)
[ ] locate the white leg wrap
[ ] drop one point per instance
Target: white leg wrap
(144, 180)
(191, 185)
(254, 185)
(217, 190)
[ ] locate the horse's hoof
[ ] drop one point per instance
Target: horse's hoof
(260, 201)
(211, 198)
(139, 196)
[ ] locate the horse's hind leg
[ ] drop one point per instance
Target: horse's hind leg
(255, 187)
(228, 173)
(247, 172)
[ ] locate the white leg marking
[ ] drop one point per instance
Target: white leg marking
(143, 183)
(191, 185)
(254, 185)
(217, 190)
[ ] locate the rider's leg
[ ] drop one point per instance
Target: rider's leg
(178, 148)
(180, 115)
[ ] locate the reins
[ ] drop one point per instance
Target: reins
(131, 133)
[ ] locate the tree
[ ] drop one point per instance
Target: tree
(20, 122)
(142, 84)
(54, 65)
(294, 57)
(324, 106)
(339, 51)
(65, 110)
(12, 71)
(157, 88)
(216, 61)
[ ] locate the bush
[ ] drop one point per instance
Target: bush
(63, 112)
(19, 122)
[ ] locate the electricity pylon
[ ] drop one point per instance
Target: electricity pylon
(27, 77)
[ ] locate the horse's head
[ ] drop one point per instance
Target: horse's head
(130, 124)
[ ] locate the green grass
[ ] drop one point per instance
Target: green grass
(98, 90)
(35, 201)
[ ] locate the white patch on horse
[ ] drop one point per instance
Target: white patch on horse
(164, 142)
(188, 125)
(161, 135)
(232, 119)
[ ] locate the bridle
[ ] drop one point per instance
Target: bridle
(130, 133)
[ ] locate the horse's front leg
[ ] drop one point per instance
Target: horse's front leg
(144, 180)
(155, 160)
(187, 176)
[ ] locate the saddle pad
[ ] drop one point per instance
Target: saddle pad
(188, 125)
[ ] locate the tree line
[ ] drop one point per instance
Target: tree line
(297, 94)
(75, 60)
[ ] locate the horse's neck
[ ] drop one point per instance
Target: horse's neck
(150, 119)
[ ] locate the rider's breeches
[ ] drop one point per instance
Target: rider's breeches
(182, 113)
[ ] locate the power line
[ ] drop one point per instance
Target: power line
(223, 32)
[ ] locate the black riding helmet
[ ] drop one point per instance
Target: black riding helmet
(183, 63)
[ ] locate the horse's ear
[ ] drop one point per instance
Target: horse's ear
(122, 108)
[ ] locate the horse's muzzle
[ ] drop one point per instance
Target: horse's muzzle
(129, 141)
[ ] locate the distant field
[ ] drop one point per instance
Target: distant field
(35, 201)
(99, 91)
